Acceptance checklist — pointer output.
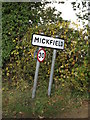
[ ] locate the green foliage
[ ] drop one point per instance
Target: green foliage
(18, 103)
(71, 72)
(71, 65)
(15, 21)
(81, 7)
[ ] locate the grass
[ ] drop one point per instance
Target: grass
(18, 103)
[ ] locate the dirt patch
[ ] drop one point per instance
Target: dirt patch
(81, 112)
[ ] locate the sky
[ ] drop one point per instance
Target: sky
(67, 11)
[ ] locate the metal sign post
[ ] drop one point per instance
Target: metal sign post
(52, 71)
(49, 42)
(35, 78)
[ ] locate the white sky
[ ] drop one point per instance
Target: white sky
(67, 11)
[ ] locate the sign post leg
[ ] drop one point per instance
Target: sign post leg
(51, 74)
(35, 78)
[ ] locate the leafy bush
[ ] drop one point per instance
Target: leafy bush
(15, 21)
(71, 66)
(71, 72)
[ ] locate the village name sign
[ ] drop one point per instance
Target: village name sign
(49, 42)
(44, 41)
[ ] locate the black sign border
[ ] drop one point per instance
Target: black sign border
(46, 46)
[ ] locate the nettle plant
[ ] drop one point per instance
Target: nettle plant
(71, 65)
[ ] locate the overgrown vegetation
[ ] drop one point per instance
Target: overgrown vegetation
(18, 103)
(71, 74)
(15, 21)
(72, 67)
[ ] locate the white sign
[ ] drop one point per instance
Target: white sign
(41, 55)
(44, 41)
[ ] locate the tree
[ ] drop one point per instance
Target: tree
(15, 22)
(81, 8)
